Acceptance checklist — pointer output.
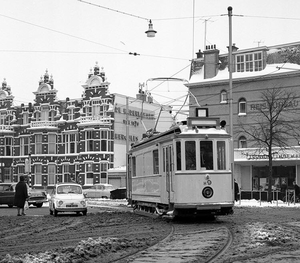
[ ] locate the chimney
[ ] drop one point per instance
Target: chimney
(211, 61)
(234, 48)
(199, 54)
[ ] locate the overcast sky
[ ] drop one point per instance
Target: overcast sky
(68, 37)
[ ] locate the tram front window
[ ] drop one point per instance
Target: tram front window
(190, 155)
(206, 155)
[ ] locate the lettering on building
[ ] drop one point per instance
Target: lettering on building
(135, 113)
(263, 106)
(122, 137)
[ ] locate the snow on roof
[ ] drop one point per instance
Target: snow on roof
(223, 75)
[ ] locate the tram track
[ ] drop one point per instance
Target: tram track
(195, 242)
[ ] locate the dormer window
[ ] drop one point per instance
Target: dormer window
(249, 62)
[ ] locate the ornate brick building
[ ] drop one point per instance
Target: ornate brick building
(55, 140)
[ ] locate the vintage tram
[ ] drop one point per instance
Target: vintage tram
(185, 171)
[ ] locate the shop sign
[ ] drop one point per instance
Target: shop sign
(251, 156)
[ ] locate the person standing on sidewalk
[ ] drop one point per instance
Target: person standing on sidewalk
(236, 191)
(21, 194)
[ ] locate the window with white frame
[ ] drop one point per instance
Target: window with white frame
(44, 113)
(38, 116)
(24, 145)
(51, 174)
(89, 173)
(21, 170)
(66, 172)
(249, 62)
(89, 140)
(73, 143)
(103, 140)
(8, 146)
(3, 118)
(96, 108)
(70, 142)
(51, 115)
(38, 174)
(242, 142)
(8, 174)
(51, 143)
(223, 96)
(71, 113)
(38, 143)
(242, 106)
(103, 173)
(25, 117)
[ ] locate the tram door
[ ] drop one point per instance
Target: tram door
(168, 170)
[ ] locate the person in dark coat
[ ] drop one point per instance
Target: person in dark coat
(21, 194)
(236, 191)
(297, 189)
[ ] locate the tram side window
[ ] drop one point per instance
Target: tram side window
(178, 155)
(155, 162)
(190, 155)
(133, 167)
(206, 155)
(139, 165)
(221, 158)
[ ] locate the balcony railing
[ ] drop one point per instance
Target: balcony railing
(36, 124)
(6, 128)
(98, 119)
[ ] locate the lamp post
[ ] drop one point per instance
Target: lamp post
(127, 150)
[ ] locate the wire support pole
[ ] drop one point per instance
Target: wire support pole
(230, 64)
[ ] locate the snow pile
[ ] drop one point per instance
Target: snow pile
(82, 252)
(258, 203)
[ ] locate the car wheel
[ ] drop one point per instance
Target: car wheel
(55, 212)
(10, 206)
(39, 205)
(84, 213)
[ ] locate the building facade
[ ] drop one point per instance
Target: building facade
(76, 139)
(253, 71)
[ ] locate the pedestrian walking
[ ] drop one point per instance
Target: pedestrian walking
(297, 189)
(236, 191)
(21, 195)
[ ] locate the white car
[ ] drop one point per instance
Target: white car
(98, 191)
(67, 197)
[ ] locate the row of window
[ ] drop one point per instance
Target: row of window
(69, 141)
(242, 103)
(52, 172)
(48, 113)
(189, 155)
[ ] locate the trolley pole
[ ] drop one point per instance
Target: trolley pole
(230, 90)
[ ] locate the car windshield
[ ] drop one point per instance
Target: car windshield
(69, 189)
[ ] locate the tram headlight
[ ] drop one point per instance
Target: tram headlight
(207, 192)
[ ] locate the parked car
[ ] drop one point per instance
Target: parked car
(98, 191)
(119, 193)
(7, 194)
(67, 197)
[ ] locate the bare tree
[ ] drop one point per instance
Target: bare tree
(273, 124)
